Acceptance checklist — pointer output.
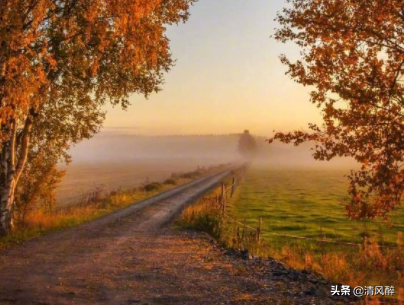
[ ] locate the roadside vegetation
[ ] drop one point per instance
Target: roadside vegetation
(35, 221)
(208, 215)
(371, 254)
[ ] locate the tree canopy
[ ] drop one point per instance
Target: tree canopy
(352, 55)
(61, 61)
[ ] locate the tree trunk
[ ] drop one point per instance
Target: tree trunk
(7, 182)
(7, 206)
(11, 170)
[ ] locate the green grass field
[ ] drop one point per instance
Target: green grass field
(307, 203)
(311, 204)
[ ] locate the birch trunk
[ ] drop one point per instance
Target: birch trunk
(11, 169)
(7, 206)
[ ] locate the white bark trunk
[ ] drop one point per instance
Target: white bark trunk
(7, 206)
(11, 170)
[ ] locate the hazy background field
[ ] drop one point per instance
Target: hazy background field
(115, 159)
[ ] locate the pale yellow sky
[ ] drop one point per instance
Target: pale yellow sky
(227, 78)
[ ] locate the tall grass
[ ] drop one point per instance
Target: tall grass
(363, 265)
(209, 215)
(205, 215)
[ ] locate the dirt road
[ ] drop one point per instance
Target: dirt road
(126, 257)
(131, 257)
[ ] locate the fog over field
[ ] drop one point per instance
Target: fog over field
(129, 148)
(112, 159)
(122, 148)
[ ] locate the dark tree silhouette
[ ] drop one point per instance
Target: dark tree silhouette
(247, 146)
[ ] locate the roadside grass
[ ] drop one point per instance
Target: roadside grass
(93, 205)
(204, 215)
(305, 204)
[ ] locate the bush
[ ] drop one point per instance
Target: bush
(170, 182)
(154, 186)
(191, 175)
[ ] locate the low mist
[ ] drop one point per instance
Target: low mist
(112, 161)
(202, 150)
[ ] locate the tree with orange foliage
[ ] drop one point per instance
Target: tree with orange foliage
(61, 61)
(353, 56)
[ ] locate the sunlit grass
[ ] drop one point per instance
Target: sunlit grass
(307, 203)
(310, 204)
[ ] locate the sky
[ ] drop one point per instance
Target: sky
(227, 77)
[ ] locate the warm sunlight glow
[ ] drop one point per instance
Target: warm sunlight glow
(227, 77)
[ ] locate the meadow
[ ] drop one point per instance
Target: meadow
(310, 204)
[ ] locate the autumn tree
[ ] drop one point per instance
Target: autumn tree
(353, 58)
(61, 61)
(247, 145)
(36, 188)
(52, 134)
